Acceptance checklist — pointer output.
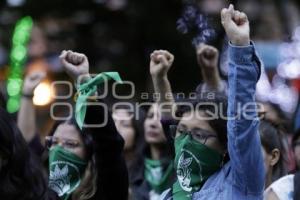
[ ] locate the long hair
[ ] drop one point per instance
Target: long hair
(88, 186)
(137, 125)
(21, 174)
(143, 150)
(294, 140)
(137, 121)
(271, 139)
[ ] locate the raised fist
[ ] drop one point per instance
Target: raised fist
(75, 64)
(236, 25)
(31, 81)
(207, 56)
(160, 63)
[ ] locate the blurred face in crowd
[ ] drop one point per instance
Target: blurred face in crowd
(153, 129)
(194, 123)
(124, 125)
(68, 137)
(297, 152)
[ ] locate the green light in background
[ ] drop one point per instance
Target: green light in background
(13, 104)
(22, 30)
(18, 57)
(18, 53)
(14, 87)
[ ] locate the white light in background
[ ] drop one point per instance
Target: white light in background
(283, 95)
(289, 68)
(263, 87)
(43, 94)
(277, 92)
(15, 2)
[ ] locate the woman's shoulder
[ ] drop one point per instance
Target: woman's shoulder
(284, 181)
(283, 188)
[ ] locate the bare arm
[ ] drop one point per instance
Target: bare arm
(160, 64)
(26, 115)
(208, 57)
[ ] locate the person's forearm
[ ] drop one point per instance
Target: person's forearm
(26, 119)
(162, 87)
(211, 78)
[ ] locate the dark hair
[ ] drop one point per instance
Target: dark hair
(295, 137)
(270, 137)
(21, 174)
(143, 150)
(137, 124)
(205, 102)
(282, 122)
(2, 100)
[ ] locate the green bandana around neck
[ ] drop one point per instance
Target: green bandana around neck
(157, 176)
(194, 163)
(66, 170)
(89, 88)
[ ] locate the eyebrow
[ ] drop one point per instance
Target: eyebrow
(76, 140)
(205, 130)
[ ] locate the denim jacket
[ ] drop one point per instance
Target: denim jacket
(242, 178)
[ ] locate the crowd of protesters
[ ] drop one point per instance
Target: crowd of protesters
(222, 143)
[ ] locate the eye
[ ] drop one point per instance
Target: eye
(150, 115)
(199, 136)
(71, 144)
(180, 130)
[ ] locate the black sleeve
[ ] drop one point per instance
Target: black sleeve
(36, 146)
(112, 181)
(169, 125)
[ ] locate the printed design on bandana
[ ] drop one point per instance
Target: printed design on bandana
(184, 169)
(156, 173)
(59, 179)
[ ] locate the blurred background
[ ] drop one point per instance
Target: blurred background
(119, 35)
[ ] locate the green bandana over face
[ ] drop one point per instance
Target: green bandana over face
(194, 163)
(66, 170)
(156, 176)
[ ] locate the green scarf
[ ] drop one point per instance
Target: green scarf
(89, 88)
(66, 170)
(156, 176)
(194, 163)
